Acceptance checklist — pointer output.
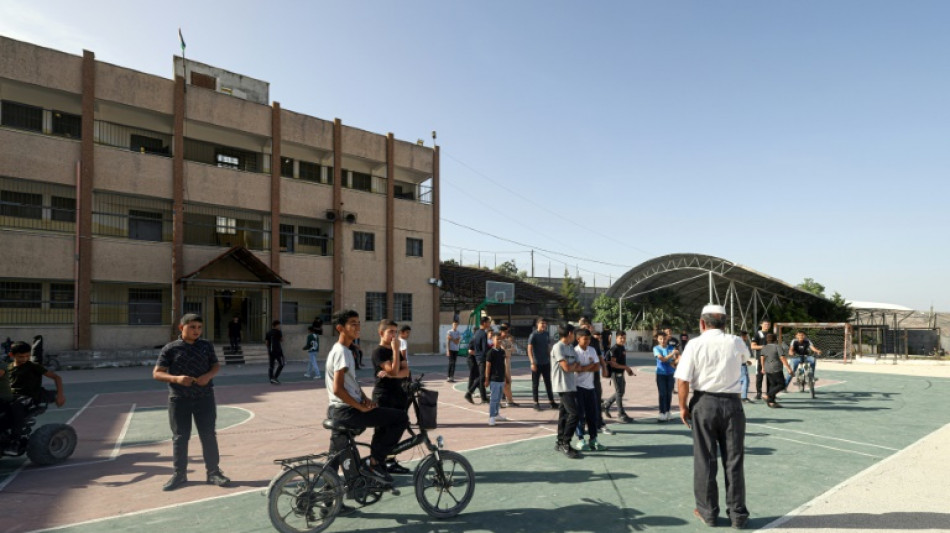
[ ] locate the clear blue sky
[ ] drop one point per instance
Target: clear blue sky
(801, 139)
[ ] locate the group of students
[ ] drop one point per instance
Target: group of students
(772, 360)
(21, 389)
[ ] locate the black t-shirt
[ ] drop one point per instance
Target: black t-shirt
(617, 354)
(759, 338)
(387, 385)
(274, 338)
(801, 348)
(26, 379)
(183, 359)
(497, 359)
(234, 329)
(684, 338)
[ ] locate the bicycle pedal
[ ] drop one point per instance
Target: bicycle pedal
(394, 491)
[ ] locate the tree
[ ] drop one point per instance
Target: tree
(510, 269)
(606, 310)
(812, 286)
(452, 262)
(662, 308)
(571, 307)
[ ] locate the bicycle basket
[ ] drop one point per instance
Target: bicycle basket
(428, 408)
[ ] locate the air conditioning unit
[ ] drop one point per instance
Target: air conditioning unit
(350, 218)
(330, 215)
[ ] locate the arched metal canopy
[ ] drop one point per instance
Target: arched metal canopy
(701, 279)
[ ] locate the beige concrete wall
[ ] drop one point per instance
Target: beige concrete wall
(413, 216)
(413, 157)
(36, 255)
(55, 338)
(364, 144)
(134, 88)
(124, 337)
(40, 66)
(370, 209)
(195, 257)
(208, 184)
(38, 157)
(208, 106)
(307, 271)
(123, 171)
(306, 130)
(131, 261)
(305, 198)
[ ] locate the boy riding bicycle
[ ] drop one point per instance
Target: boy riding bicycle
(798, 352)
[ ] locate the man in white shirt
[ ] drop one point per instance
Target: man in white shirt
(710, 366)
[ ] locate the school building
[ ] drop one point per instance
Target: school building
(127, 199)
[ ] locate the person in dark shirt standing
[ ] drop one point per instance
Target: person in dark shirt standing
(759, 342)
(495, 374)
(539, 355)
(275, 352)
(391, 369)
(234, 334)
(478, 349)
(616, 358)
(188, 366)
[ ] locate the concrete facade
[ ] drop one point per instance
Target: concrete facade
(124, 183)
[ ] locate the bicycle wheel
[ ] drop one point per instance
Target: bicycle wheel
(444, 488)
(304, 500)
(800, 378)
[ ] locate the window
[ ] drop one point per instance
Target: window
(288, 313)
(145, 306)
(403, 307)
(21, 204)
(21, 295)
(361, 181)
(21, 116)
(149, 145)
(62, 209)
(226, 225)
(61, 295)
(309, 171)
(311, 236)
(227, 161)
(287, 238)
(203, 80)
(364, 241)
(413, 247)
(67, 125)
(286, 167)
(375, 306)
(145, 225)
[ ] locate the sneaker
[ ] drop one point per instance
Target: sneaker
(503, 405)
(582, 446)
(740, 523)
(606, 411)
(571, 453)
(177, 480)
(274, 382)
(500, 418)
(318, 376)
(553, 405)
(468, 398)
(307, 376)
(594, 445)
(746, 400)
(606, 430)
(758, 396)
(393, 467)
(376, 472)
(218, 478)
(537, 406)
(514, 404)
(624, 419)
(491, 421)
(709, 522)
(450, 380)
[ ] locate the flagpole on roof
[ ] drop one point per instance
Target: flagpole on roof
(184, 63)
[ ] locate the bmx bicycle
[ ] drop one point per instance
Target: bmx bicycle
(307, 495)
(805, 377)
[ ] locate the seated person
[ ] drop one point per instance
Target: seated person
(26, 378)
(350, 407)
(798, 352)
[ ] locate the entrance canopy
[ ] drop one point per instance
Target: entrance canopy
(236, 266)
(701, 279)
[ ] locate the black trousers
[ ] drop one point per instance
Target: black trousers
(587, 409)
(758, 380)
(275, 360)
(620, 388)
(718, 427)
(567, 416)
(453, 356)
(476, 377)
(204, 412)
(235, 343)
(389, 424)
(543, 371)
(776, 382)
(599, 406)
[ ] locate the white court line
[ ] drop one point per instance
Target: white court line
(867, 471)
(827, 437)
(828, 447)
(79, 412)
(125, 429)
(462, 407)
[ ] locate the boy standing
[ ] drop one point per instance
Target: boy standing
(234, 334)
(563, 366)
(772, 359)
(617, 362)
(495, 378)
(391, 370)
(744, 369)
(188, 366)
(452, 341)
(587, 405)
(404, 331)
(350, 407)
(275, 352)
(312, 347)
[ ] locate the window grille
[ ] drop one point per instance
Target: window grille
(375, 306)
(21, 116)
(402, 307)
(364, 241)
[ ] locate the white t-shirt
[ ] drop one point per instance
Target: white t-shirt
(710, 362)
(585, 380)
(341, 357)
(404, 347)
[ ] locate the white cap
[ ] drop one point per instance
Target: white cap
(714, 310)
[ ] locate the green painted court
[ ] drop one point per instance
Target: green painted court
(641, 483)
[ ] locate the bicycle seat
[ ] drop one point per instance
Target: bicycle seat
(333, 425)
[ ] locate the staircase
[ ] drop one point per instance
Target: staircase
(248, 354)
